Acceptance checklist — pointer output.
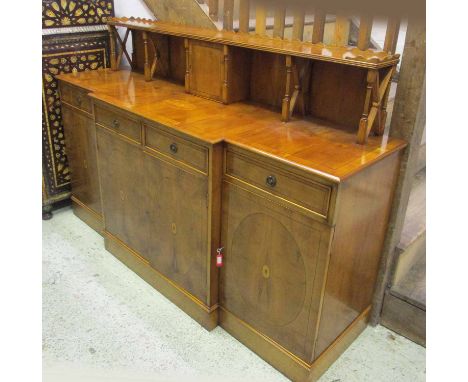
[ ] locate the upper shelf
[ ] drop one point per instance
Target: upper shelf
(343, 55)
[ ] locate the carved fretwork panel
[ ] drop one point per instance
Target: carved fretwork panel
(66, 13)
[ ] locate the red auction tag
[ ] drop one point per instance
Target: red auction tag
(219, 257)
(219, 260)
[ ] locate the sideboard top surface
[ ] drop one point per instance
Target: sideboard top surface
(313, 145)
(353, 56)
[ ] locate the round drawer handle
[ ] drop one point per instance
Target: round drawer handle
(173, 147)
(116, 123)
(271, 180)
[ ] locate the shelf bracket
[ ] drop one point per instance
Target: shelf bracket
(113, 53)
(375, 104)
(123, 49)
(301, 87)
(154, 63)
(116, 43)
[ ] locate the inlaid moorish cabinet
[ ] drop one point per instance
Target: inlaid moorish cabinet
(241, 213)
(74, 39)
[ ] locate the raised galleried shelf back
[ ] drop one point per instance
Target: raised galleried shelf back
(343, 85)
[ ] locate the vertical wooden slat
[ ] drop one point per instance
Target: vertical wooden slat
(408, 122)
(213, 8)
(260, 19)
(319, 26)
(278, 27)
(228, 19)
(365, 30)
(298, 25)
(341, 35)
(244, 15)
(134, 37)
(391, 37)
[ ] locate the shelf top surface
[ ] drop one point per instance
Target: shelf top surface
(315, 146)
(353, 56)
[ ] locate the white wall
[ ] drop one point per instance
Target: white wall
(136, 8)
(128, 8)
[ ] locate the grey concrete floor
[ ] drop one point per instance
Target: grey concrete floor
(101, 322)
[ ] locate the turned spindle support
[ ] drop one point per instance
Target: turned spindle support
(146, 68)
(364, 122)
(225, 74)
(187, 65)
(113, 53)
(285, 111)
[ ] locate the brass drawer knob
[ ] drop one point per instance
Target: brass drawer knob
(271, 180)
(173, 147)
(116, 123)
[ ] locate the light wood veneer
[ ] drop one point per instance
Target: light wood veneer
(300, 210)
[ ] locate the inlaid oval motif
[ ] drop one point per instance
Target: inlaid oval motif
(269, 269)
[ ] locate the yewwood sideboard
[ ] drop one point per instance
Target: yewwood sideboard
(179, 177)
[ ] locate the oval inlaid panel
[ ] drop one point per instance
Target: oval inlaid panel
(269, 270)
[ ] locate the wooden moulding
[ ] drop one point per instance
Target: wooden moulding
(280, 358)
(317, 51)
(90, 217)
(204, 315)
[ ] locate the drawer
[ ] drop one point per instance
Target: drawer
(295, 188)
(177, 148)
(76, 97)
(118, 122)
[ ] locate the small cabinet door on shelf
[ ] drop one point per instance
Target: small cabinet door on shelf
(157, 209)
(80, 136)
(274, 266)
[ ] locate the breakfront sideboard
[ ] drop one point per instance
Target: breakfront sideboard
(246, 178)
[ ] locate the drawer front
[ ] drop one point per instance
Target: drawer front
(76, 97)
(118, 122)
(178, 148)
(292, 187)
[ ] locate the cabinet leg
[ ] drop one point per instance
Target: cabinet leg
(47, 212)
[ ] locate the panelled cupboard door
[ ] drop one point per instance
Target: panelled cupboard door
(274, 265)
(123, 188)
(178, 211)
(81, 152)
(156, 209)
